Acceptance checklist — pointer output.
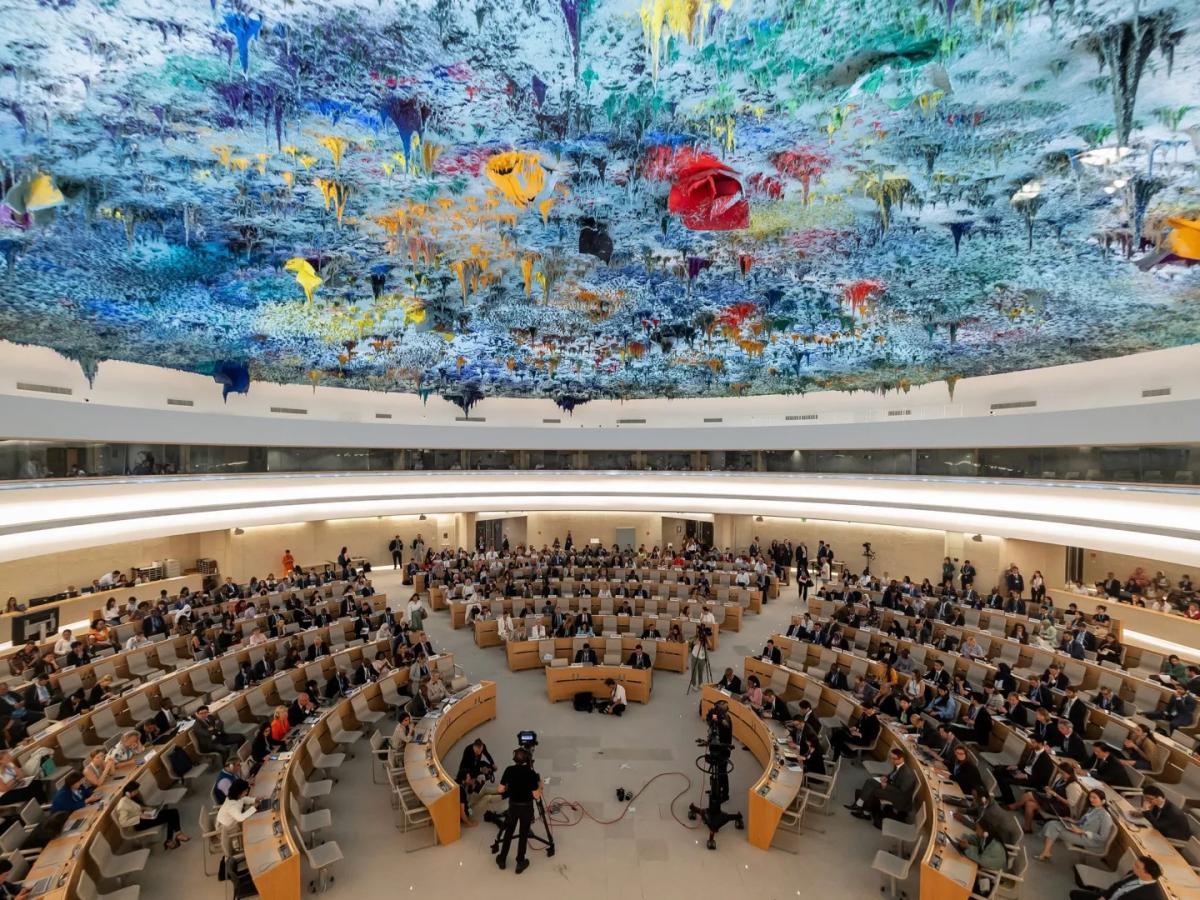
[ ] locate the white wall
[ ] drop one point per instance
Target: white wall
(543, 527)
(1075, 405)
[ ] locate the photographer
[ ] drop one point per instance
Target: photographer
(477, 760)
(521, 785)
(701, 671)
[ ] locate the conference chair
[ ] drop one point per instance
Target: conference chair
(114, 866)
(308, 824)
(88, 891)
(320, 859)
(896, 868)
(791, 820)
(1101, 879)
(905, 832)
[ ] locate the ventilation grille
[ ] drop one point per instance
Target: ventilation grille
(1015, 404)
(173, 402)
(469, 419)
(289, 410)
(551, 421)
(899, 412)
(1157, 392)
(714, 420)
(43, 388)
(631, 421)
(807, 417)
(383, 415)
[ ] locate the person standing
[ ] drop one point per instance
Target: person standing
(521, 786)
(396, 548)
(289, 562)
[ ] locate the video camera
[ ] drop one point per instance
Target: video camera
(527, 740)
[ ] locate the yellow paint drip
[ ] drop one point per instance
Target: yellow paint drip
(518, 175)
(306, 275)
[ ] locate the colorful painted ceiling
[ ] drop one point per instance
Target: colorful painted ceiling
(572, 199)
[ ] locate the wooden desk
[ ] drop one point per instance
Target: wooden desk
(564, 682)
(668, 655)
(945, 873)
(433, 737)
(778, 786)
(487, 633)
(272, 846)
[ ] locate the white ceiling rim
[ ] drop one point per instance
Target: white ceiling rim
(1140, 523)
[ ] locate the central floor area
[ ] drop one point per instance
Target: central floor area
(584, 758)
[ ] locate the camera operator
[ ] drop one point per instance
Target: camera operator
(699, 656)
(521, 785)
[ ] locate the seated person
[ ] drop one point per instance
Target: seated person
(854, 737)
(896, 789)
(640, 659)
(730, 682)
(586, 654)
(616, 703)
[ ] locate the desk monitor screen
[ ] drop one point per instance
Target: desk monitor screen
(43, 620)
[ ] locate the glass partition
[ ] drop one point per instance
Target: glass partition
(1177, 464)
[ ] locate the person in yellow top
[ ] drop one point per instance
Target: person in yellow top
(289, 562)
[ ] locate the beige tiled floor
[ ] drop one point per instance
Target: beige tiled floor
(585, 758)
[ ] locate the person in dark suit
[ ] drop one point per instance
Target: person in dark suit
(1178, 713)
(586, 654)
(1035, 773)
(774, 707)
(1015, 712)
(651, 634)
(1109, 702)
(1105, 766)
(1169, 819)
(771, 653)
(336, 685)
(1075, 710)
(1140, 884)
(730, 682)
(937, 674)
(836, 678)
(38, 696)
(640, 659)
(976, 726)
(804, 723)
(211, 736)
(1070, 744)
(896, 788)
(964, 772)
(862, 734)
(317, 649)
(300, 709)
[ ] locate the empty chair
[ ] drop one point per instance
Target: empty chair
(363, 712)
(308, 824)
(841, 717)
(139, 706)
(312, 790)
(88, 891)
(168, 657)
(320, 859)
(104, 724)
(203, 683)
(897, 868)
(114, 866)
(905, 832)
(1010, 754)
(233, 725)
(137, 662)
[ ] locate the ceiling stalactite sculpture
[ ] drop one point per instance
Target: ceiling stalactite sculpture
(580, 200)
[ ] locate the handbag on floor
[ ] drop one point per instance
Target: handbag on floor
(584, 701)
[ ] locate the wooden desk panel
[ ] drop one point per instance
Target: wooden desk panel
(564, 682)
(423, 767)
(775, 790)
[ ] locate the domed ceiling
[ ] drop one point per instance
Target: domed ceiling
(572, 199)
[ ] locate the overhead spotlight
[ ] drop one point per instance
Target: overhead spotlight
(239, 531)
(421, 517)
(977, 538)
(758, 518)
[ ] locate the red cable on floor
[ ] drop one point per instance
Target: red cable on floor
(560, 803)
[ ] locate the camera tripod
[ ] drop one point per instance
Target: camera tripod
(716, 766)
(540, 808)
(701, 673)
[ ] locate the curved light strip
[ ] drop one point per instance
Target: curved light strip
(49, 518)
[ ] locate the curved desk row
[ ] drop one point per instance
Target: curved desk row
(671, 656)
(1179, 880)
(66, 858)
(1084, 673)
(945, 873)
(487, 631)
(728, 615)
(564, 682)
(434, 735)
(780, 783)
(269, 838)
